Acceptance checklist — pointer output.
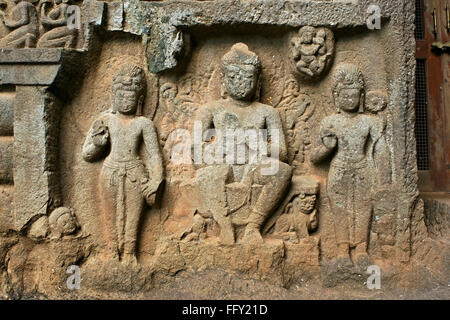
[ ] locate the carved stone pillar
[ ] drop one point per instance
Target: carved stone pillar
(35, 154)
(34, 131)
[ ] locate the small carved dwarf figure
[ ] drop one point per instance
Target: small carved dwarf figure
(350, 137)
(239, 109)
(55, 22)
(125, 181)
(312, 50)
(303, 208)
(22, 19)
(62, 222)
(300, 214)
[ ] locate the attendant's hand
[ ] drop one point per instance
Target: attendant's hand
(329, 139)
(100, 134)
(149, 190)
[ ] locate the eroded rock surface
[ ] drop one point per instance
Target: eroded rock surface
(211, 149)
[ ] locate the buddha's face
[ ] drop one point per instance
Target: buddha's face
(305, 203)
(347, 99)
(241, 81)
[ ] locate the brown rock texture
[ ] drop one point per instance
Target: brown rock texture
(257, 149)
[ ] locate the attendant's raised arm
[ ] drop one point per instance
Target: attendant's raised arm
(96, 141)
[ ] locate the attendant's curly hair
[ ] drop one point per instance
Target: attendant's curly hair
(133, 71)
(348, 76)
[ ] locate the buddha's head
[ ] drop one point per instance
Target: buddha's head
(241, 69)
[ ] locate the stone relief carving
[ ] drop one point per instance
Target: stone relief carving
(180, 101)
(376, 103)
(43, 24)
(382, 236)
(295, 110)
(55, 21)
(343, 137)
(234, 204)
(22, 20)
(179, 109)
(297, 217)
(61, 222)
(125, 181)
(312, 51)
(238, 109)
(192, 87)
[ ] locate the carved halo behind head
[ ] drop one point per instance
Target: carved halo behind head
(376, 101)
